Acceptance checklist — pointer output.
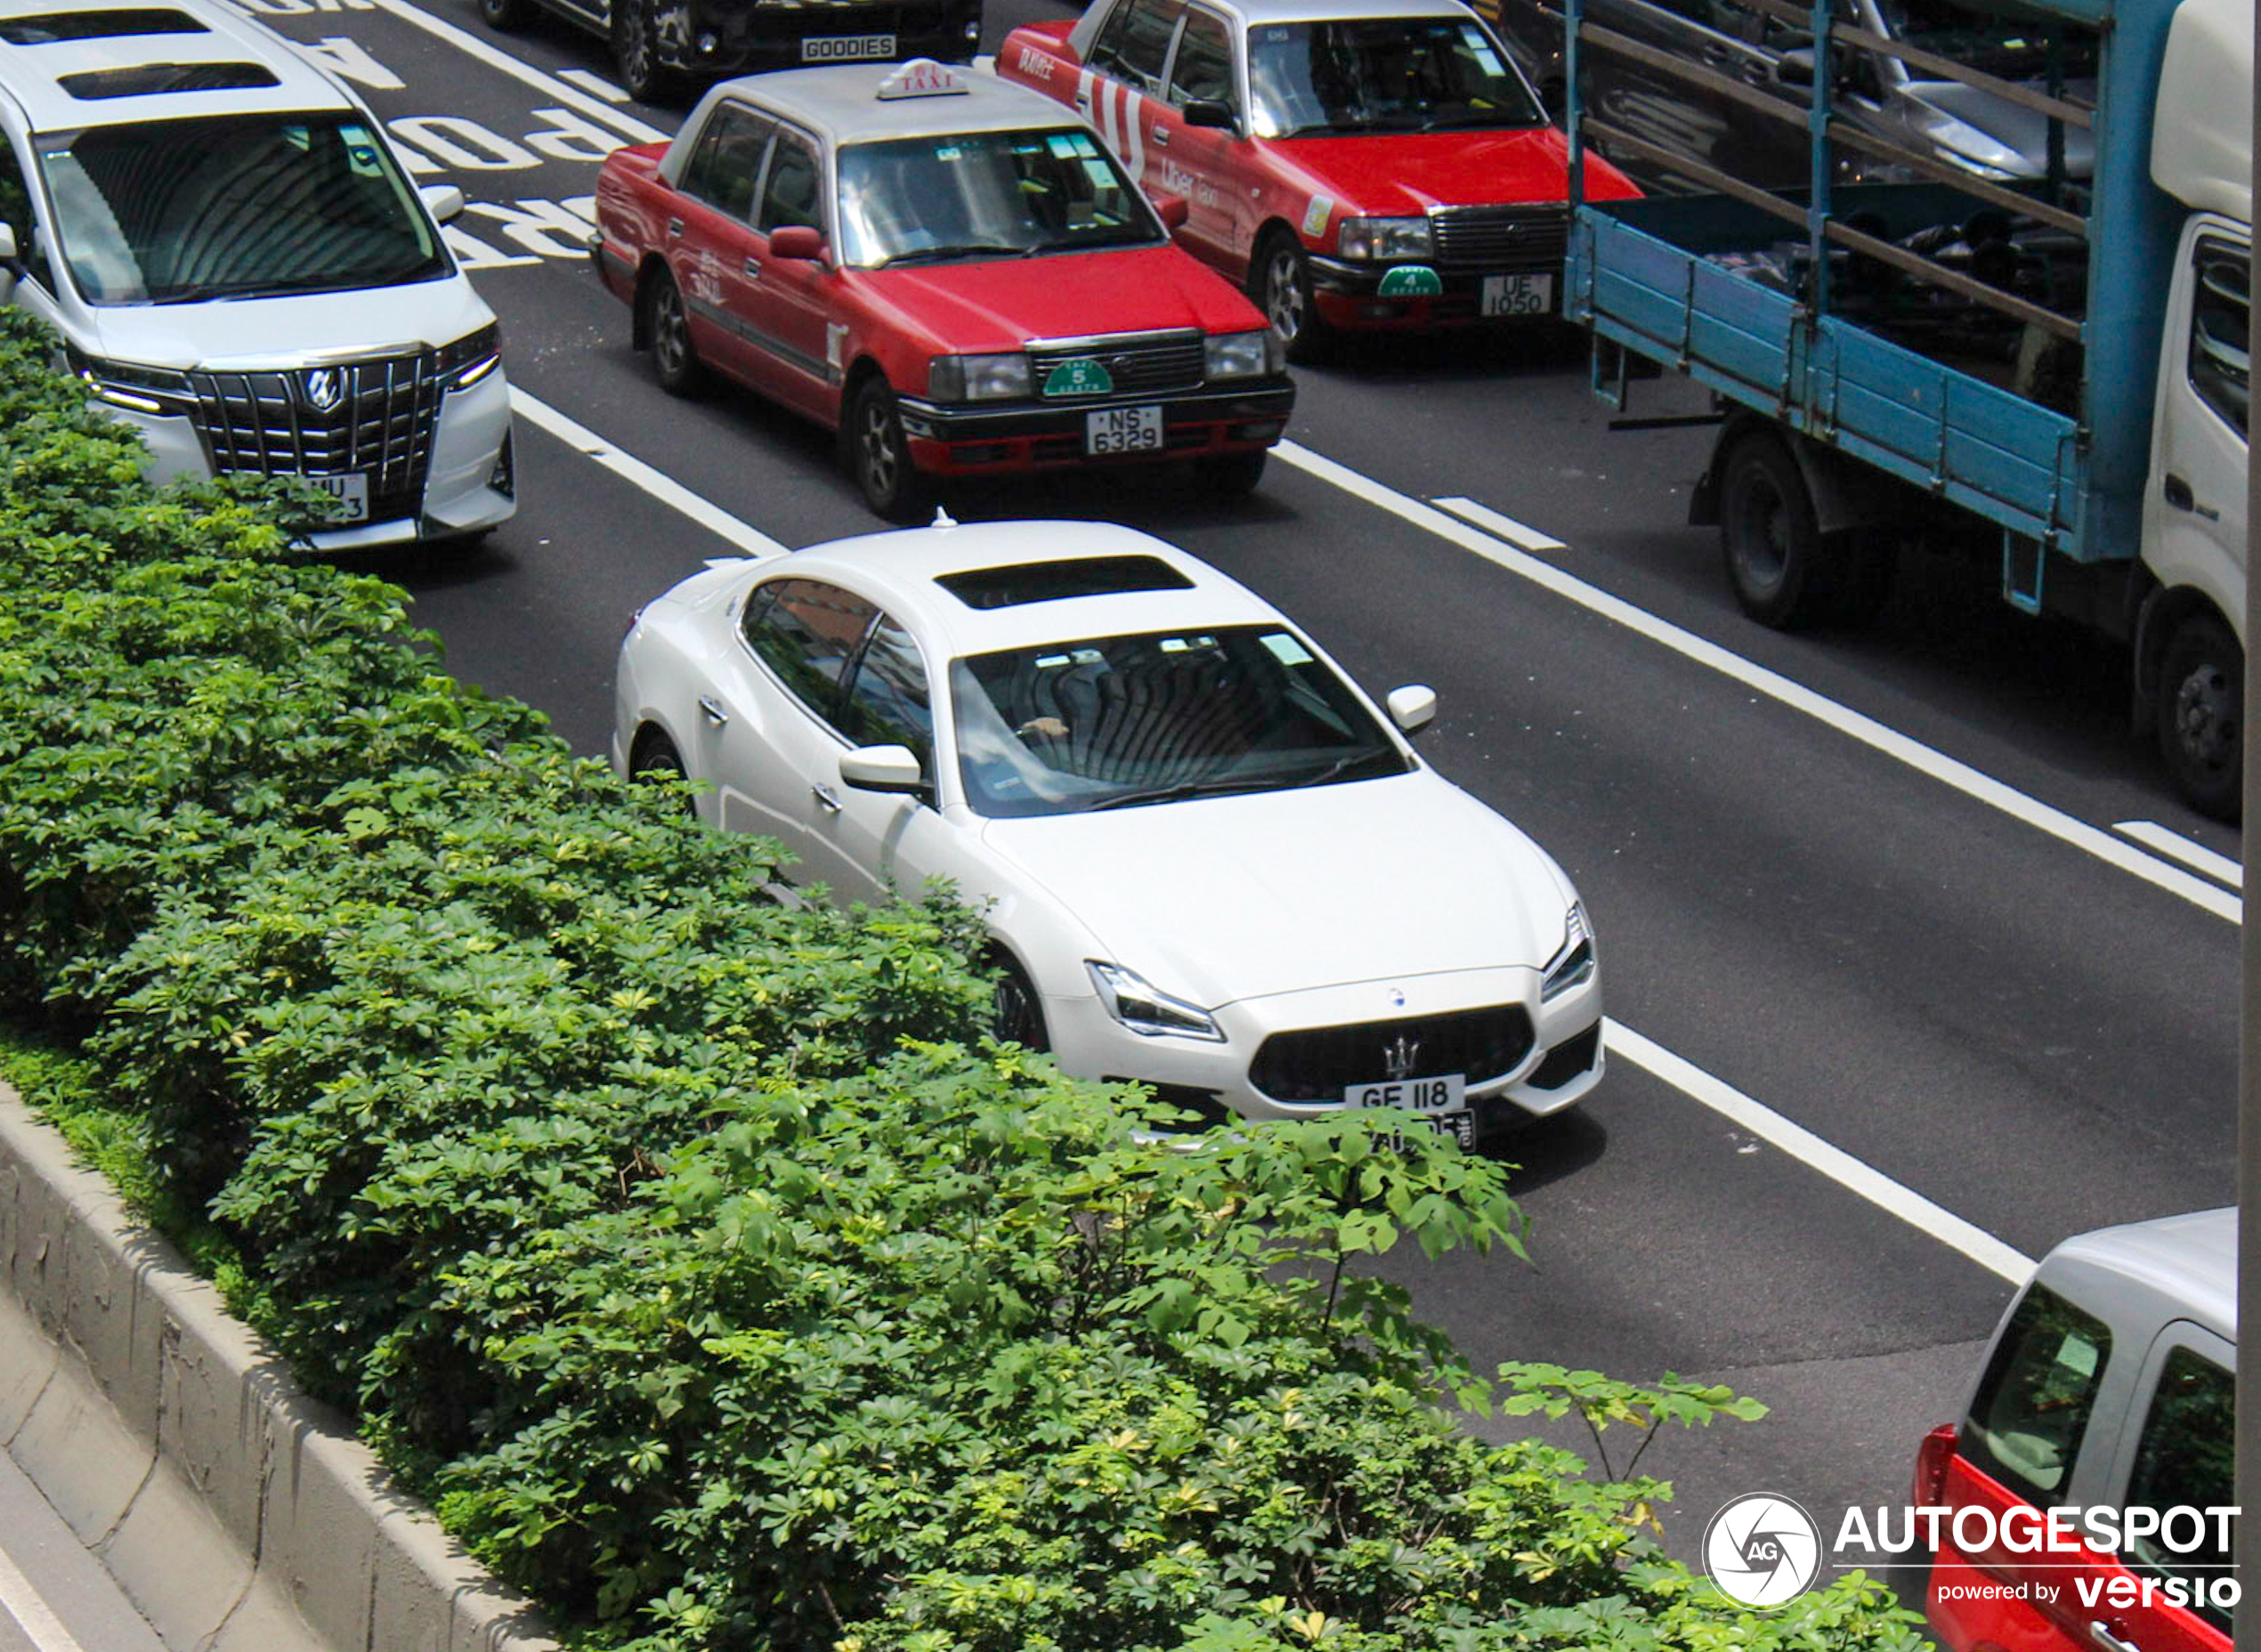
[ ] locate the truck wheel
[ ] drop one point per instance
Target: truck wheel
(1776, 559)
(879, 458)
(635, 50)
(1280, 282)
(2202, 716)
(675, 359)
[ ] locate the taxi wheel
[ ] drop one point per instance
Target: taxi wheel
(635, 50)
(1229, 476)
(675, 360)
(880, 458)
(1282, 289)
(503, 14)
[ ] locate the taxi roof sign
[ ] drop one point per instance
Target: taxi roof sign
(922, 78)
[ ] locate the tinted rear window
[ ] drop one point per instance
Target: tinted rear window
(2032, 1411)
(1049, 582)
(146, 79)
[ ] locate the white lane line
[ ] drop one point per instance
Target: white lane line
(1948, 771)
(548, 84)
(656, 482)
(22, 1602)
(2173, 844)
(1808, 1148)
(594, 83)
(1506, 527)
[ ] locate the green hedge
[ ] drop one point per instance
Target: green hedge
(700, 1255)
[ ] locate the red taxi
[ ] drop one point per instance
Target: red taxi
(1353, 163)
(950, 270)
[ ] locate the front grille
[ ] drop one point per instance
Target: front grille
(380, 424)
(1136, 363)
(1319, 1063)
(1501, 239)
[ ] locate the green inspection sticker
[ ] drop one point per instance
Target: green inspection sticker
(1411, 281)
(1080, 375)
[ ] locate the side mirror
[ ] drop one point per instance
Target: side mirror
(1171, 210)
(1207, 112)
(882, 768)
(1412, 706)
(797, 240)
(9, 251)
(443, 201)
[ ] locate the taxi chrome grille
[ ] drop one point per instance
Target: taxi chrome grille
(1137, 363)
(1319, 1063)
(1501, 239)
(379, 423)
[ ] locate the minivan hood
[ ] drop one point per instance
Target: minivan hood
(1226, 898)
(251, 333)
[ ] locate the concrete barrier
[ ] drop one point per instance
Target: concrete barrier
(239, 1515)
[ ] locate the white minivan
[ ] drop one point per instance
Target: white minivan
(239, 268)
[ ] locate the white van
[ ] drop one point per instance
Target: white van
(239, 268)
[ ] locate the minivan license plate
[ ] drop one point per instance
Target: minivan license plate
(847, 48)
(1518, 295)
(353, 488)
(1447, 1092)
(1123, 430)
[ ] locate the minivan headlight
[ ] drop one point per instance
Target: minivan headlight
(1240, 355)
(1135, 1001)
(1384, 238)
(999, 377)
(1573, 964)
(471, 358)
(131, 386)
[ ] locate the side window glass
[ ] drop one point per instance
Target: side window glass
(890, 703)
(2184, 1460)
(2026, 1425)
(1106, 49)
(789, 195)
(15, 212)
(1203, 70)
(1146, 42)
(807, 633)
(727, 162)
(2220, 300)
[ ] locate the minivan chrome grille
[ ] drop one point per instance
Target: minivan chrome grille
(1500, 240)
(1320, 1063)
(374, 416)
(1136, 363)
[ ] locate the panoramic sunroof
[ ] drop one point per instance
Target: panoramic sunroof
(49, 27)
(1052, 582)
(144, 79)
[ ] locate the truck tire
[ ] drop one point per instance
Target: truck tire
(2202, 715)
(1779, 563)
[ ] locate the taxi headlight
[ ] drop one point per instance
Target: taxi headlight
(1239, 355)
(1573, 964)
(978, 378)
(1135, 1001)
(1384, 238)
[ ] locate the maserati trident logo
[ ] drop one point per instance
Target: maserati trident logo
(1397, 1060)
(323, 389)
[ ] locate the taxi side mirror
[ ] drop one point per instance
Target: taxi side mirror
(882, 768)
(1208, 112)
(797, 240)
(1412, 706)
(1171, 210)
(443, 201)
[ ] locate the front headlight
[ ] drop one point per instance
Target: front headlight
(1573, 964)
(1384, 238)
(130, 384)
(1242, 355)
(978, 378)
(1133, 1001)
(471, 358)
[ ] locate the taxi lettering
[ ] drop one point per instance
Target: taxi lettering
(1036, 65)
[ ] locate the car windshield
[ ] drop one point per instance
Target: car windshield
(1118, 722)
(1382, 74)
(1995, 43)
(985, 193)
(237, 208)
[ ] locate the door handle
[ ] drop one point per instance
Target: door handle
(2101, 1634)
(1162, 134)
(753, 268)
(675, 226)
(827, 800)
(712, 708)
(2178, 494)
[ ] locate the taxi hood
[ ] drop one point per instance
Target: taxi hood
(1234, 897)
(1000, 303)
(298, 330)
(1403, 174)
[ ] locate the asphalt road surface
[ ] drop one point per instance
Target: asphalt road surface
(1916, 967)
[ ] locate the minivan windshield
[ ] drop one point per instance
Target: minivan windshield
(1382, 74)
(965, 195)
(236, 206)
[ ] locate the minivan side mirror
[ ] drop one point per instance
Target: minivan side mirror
(1412, 706)
(882, 768)
(443, 201)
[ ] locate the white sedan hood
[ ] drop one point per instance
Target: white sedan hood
(1242, 896)
(290, 331)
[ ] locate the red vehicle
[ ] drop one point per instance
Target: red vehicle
(950, 270)
(1352, 162)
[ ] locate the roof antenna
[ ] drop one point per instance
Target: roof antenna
(943, 518)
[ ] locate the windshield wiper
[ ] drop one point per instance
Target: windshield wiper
(961, 249)
(1343, 764)
(1215, 786)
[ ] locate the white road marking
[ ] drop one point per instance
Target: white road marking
(656, 482)
(2173, 844)
(548, 85)
(594, 83)
(1808, 1148)
(1505, 527)
(33, 1615)
(1949, 771)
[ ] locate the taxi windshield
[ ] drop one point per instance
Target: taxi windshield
(994, 193)
(239, 207)
(1381, 74)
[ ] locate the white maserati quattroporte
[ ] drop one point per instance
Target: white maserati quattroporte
(1207, 861)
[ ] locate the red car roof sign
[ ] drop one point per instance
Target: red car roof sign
(921, 78)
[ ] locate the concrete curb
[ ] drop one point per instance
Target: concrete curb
(239, 1515)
